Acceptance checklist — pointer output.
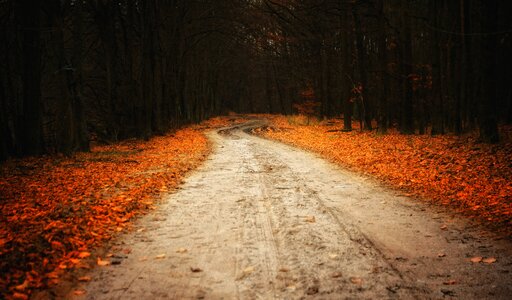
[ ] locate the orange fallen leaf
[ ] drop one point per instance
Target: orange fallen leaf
(23, 286)
(84, 254)
(489, 260)
(476, 259)
(19, 296)
(356, 280)
(84, 278)
(79, 292)
(160, 256)
(102, 263)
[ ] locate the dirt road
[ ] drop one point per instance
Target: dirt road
(262, 220)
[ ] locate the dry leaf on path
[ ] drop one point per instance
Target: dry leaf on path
(248, 270)
(160, 256)
(310, 219)
(84, 278)
(102, 263)
(196, 270)
(356, 280)
(79, 292)
(333, 255)
(489, 260)
(476, 259)
(336, 275)
(181, 250)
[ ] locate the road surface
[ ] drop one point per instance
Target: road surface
(262, 220)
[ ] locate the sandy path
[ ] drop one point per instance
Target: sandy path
(261, 220)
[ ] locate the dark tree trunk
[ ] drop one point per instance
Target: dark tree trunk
(437, 97)
(487, 118)
(81, 133)
(384, 81)
(365, 108)
(407, 120)
(31, 131)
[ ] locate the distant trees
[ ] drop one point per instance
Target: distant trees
(438, 65)
(111, 70)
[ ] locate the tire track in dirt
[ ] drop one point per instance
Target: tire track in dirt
(262, 220)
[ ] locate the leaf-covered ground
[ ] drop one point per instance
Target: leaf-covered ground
(473, 178)
(56, 210)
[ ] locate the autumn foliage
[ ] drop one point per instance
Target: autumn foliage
(474, 178)
(55, 210)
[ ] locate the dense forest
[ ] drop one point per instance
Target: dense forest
(73, 72)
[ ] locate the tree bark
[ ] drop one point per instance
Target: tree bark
(32, 131)
(487, 118)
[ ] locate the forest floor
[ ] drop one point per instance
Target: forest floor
(259, 219)
(264, 220)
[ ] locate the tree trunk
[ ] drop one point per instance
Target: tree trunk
(437, 97)
(487, 119)
(31, 131)
(364, 109)
(406, 124)
(384, 82)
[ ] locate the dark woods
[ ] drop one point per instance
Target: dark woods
(73, 71)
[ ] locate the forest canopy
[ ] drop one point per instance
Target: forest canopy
(80, 71)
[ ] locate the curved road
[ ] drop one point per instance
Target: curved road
(262, 220)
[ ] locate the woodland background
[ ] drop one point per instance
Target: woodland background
(73, 72)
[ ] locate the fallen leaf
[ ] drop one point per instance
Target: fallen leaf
(84, 254)
(19, 296)
(333, 255)
(441, 255)
(248, 270)
(489, 260)
(79, 292)
(195, 269)
(476, 259)
(310, 219)
(284, 269)
(84, 278)
(102, 263)
(443, 227)
(336, 275)
(160, 256)
(23, 286)
(181, 250)
(356, 280)
(450, 282)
